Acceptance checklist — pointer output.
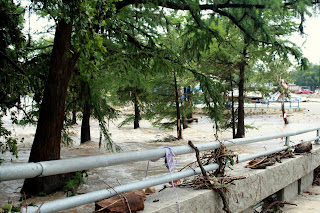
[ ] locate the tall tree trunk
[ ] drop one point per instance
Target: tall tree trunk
(179, 129)
(136, 114)
(85, 126)
(240, 128)
(74, 117)
(86, 113)
(232, 109)
(47, 140)
(184, 120)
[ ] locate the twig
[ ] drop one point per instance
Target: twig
(276, 203)
(203, 171)
(255, 164)
(25, 199)
(188, 165)
(120, 199)
(125, 197)
(120, 195)
(38, 210)
(25, 113)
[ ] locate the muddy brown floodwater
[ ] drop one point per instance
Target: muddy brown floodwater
(147, 137)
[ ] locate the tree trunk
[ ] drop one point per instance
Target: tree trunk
(240, 129)
(47, 140)
(232, 110)
(136, 115)
(85, 126)
(74, 117)
(184, 120)
(179, 129)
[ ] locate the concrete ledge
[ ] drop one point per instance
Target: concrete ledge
(289, 176)
(264, 111)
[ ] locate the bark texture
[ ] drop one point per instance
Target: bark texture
(242, 68)
(240, 128)
(136, 115)
(85, 125)
(47, 141)
(179, 129)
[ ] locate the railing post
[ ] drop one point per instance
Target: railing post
(318, 134)
(287, 140)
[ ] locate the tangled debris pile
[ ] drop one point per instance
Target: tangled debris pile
(269, 160)
(272, 204)
(263, 162)
(216, 180)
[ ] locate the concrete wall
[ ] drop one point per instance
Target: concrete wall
(288, 178)
(264, 111)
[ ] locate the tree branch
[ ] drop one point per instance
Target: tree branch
(21, 71)
(184, 6)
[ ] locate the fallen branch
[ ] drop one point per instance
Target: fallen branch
(269, 160)
(276, 203)
(203, 171)
(209, 182)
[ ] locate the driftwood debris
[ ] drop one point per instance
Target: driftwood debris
(132, 201)
(303, 147)
(190, 120)
(269, 160)
(316, 176)
(216, 181)
(272, 204)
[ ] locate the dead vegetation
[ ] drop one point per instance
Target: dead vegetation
(269, 160)
(216, 180)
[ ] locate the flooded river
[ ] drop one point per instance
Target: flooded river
(148, 137)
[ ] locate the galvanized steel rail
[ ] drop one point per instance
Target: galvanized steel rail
(71, 202)
(47, 168)
(30, 170)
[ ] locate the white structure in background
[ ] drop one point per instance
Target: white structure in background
(292, 97)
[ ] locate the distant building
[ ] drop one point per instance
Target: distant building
(293, 87)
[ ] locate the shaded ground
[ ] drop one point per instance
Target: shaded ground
(307, 202)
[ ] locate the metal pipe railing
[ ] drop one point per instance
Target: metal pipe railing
(47, 168)
(71, 202)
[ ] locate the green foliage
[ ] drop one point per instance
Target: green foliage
(74, 183)
(9, 208)
(65, 138)
(161, 106)
(266, 77)
(12, 76)
(117, 38)
(12, 82)
(212, 90)
(7, 142)
(309, 77)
